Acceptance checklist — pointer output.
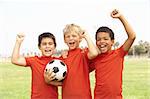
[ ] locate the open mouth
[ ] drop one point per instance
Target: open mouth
(71, 43)
(102, 46)
(47, 51)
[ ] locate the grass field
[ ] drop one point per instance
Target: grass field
(15, 81)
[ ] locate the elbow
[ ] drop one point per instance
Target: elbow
(93, 55)
(96, 52)
(133, 37)
(13, 61)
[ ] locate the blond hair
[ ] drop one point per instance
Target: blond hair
(69, 28)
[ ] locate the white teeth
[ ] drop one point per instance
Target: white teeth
(102, 46)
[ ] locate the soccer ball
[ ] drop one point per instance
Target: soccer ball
(59, 68)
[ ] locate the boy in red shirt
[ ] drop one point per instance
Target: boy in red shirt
(109, 64)
(76, 84)
(47, 45)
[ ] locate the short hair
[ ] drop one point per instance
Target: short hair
(107, 30)
(69, 28)
(46, 35)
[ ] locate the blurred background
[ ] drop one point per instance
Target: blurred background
(33, 17)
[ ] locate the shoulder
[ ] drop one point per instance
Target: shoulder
(32, 58)
(121, 51)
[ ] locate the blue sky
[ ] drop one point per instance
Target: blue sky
(34, 17)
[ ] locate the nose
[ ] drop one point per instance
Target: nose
(101, 41)
(71, 37)
(47, 45)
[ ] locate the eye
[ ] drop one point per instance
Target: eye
(67, 36)
(74, 35)
(43, 43)
(98, 39)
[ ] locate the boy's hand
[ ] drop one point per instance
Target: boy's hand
(84, 34)
(49, 75)
(20, 37)
(115, 14)
(64, 53)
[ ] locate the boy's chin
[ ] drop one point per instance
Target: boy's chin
(104, 51)
(72, 48)
(47, 55)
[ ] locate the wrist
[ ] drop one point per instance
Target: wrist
(87, 37)
(121, 17)
(18, 42)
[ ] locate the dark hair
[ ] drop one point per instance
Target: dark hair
(107, 30)
(46, 35)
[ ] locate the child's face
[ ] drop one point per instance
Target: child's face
(104, 42)
(47, 46)
(72, 40)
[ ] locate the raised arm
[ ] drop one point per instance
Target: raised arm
(16, 58)
(93, 51)
(131, 34)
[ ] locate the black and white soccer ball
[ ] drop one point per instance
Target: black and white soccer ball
(59, 68)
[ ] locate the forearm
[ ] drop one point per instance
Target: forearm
(129, 30)
(93, 51)
(16, 58)
(15, 54)
(131, 34)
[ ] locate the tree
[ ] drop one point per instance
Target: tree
(143, 48)
(139, 49)
(116, 44)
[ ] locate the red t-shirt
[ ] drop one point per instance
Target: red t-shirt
(40, 90)
(77, 84)
(108, 73)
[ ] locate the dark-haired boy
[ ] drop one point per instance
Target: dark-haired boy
(109, 64)
(47, 45)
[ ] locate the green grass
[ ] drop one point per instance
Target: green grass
(136, 79)
(15, 81)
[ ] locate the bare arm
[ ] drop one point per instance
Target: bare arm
(131, 34)
(16, 58)
(93, 51)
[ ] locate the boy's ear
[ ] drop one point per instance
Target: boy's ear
(64, 40)
(112, 41)
(39, 47)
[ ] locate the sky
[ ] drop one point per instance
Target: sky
(33, 17)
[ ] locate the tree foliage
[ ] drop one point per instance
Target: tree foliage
(142, 48)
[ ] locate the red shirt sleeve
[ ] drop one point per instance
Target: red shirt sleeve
(29, 60)
(122, 51)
